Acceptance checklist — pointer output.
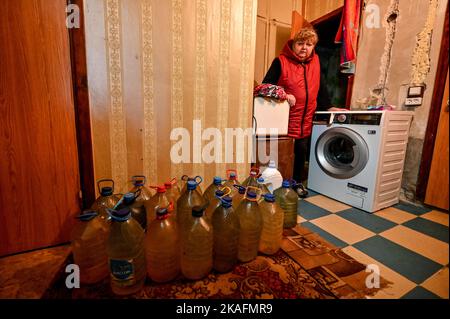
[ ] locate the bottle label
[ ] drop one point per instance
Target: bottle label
(122, 271)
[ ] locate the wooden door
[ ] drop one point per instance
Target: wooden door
(39, 176)
(438, 183)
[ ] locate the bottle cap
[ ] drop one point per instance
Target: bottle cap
(232, 175)
(161, 189)
(197, 211)
(219, 193)
(226, 201)
(286, 184)
(161, 212)
(106, 191)
(241, 189)
(120, 215)
(128, 198)
(272, 164)
(260, 180)
(217, 180)
(168, 185)
(191, 185)
(251, 194)
(269, 198)
(138, 182)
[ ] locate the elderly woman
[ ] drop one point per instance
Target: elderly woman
(297, 70)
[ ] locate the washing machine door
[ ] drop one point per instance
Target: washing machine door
(341, 152)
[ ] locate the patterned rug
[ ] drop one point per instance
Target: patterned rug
(306, 267)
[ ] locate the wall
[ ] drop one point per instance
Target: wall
(158, 65)
(401, 52)
(314, 9)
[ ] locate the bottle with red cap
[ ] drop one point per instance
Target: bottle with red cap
(126, 254)
(226, 229)
(172, 190)
(162, 248)
(186, 202)
(251, 223)
(159, 200)
(88, 242)
(197, 246)
(107, 198)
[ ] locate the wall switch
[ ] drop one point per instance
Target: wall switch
(413, 101)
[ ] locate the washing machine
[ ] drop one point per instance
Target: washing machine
(357, 157)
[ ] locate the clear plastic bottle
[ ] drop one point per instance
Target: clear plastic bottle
(162, 248)
(126, 253)
(251, 223)
(197, 246)
(144, 193)
(251, 179)
(210, 192)
(272, 176)
(273, 219)
(226, 229)
(159, 200)
(186, 202)
(137, 208)
(232, 182)
(197, 179)
(288, 201)
(172, 191)
(213, 204)
(107, 198)
(88, 241)
(239, 196)
(262, 186)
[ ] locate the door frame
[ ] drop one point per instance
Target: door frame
(435, 111)
(82, 109)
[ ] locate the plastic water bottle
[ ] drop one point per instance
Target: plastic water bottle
(213, 204)
(162, 248)
(126, 253)
(251, 179)
(239, 196)
(210, 192)
(251, 223)
(225, 222)
(273, 219)
(144, 193)
(159, 200)
(287, 198)
(88, 241)
(272, 176)
(197, 246)
(137, 208)
(197, 179)
(172, 190)
(107, 199)
(231, 181)
(262, 186)
(187, 201)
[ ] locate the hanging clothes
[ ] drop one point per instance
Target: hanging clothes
(348, 35)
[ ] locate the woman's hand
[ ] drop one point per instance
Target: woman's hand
(291, 99)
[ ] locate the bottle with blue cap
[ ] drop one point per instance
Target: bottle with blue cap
(239, 196)
(226, 229)
(210, 192)
(137, 208)
(197, 179)
(186, 202)
(214, 203)
(272, 231)
(126, 253)
(107, 198)
(231, 182)
(287, 198)
(138, 187)
(197, 246)
(263, 187)
(250, 221)
(88, 242)
(162, 248)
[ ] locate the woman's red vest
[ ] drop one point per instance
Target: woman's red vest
(301, 79)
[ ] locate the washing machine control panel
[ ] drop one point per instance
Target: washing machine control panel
(357, 118)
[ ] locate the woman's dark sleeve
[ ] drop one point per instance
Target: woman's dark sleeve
(323, 98)
(274, 72)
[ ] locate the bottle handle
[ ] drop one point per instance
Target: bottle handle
(135, 178)
(226, 191)
(173, 181)
(185, 178)
(254, 169)
(103, 181)
(198, 177)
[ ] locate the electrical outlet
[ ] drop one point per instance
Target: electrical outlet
(413, 101)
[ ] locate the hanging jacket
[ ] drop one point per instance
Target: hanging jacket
(301, 79)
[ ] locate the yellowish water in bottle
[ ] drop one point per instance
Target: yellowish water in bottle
(185, 204)
(288, 201)
(272, 231)
(162, 248)
(88, 242)
(160, 200)
(251, 223)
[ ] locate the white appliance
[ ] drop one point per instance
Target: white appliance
(270, 116)
(357, 157)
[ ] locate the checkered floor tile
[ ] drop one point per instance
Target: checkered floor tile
(409, 243)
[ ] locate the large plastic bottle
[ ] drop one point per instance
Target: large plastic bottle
(88, 241)
(226, 229)
(197, 246)
(144, 193)
(210, 192)
(137, 208)
(187, 201)
(162, 248)
(159, 200)
(251, 223)
(287, 198)
(172, 191)
(273, 219)
(197, 179)
(272, 176)
(213, 204)
(239, 196)
(107, 198)
(262, 186)
(251, 179)
(126, 253)
(231, 182)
